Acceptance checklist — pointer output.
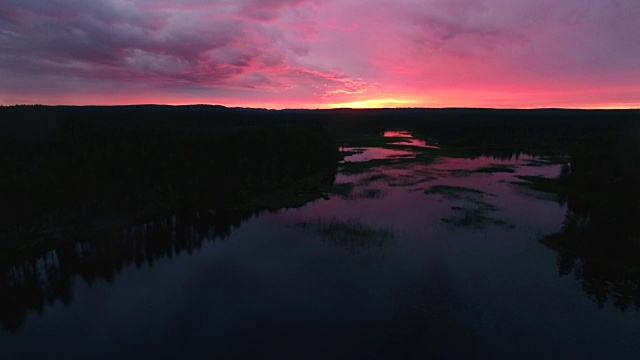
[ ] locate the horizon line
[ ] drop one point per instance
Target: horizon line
(330, 108)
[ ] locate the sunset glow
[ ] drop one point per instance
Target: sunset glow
(322, 54)
(377, 103)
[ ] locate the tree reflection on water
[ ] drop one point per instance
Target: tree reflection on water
(599, 242)
(33, 283)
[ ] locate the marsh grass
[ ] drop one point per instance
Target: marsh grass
(351, 233)
(453, 192)
(542, 183)
(548, 160)
(369, 166)
(362, 167)
(370, 193)
(375, 140)
(473, 213)
(368, 180)
(469, 195)
(345, 153)
(399, 162)
(495, 169)
(474, 218)
(298, 193)
(403, 181)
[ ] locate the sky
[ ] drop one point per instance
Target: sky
(322, 53)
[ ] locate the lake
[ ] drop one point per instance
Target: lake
(438, 258)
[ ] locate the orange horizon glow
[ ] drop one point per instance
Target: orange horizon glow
(411, 101)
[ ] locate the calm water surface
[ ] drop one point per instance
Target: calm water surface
(410, 263)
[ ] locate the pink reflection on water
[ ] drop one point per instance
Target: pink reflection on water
(407, 139)
(366, 154)
(517, 162)
(408, 200)
(481, 161)
(416, 143)
(396, 133)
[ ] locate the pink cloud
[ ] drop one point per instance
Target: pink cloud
(312, 52)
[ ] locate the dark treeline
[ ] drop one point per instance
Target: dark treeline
(35, 282)
(599, 242)
(85, 168)
(515, 129)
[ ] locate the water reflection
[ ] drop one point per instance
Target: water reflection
(603, 281)
(398, 133)
(407, 139)
(598, 244)
(350, 234)
(599, 241)
(367, 154)
(433, 258)
(33, 283)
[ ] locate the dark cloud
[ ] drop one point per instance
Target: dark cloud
(323, 50)
(175, 41)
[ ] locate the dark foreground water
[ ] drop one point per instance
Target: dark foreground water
(416, 260)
